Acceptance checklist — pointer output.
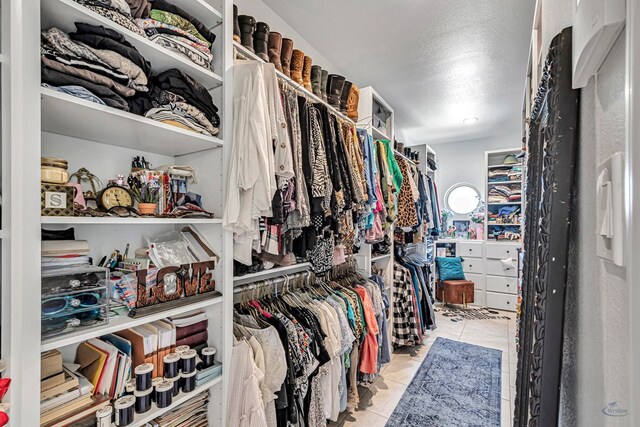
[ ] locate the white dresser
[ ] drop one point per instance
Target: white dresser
(493, 267)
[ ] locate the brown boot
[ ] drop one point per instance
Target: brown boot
(306, 73)
(352, 103)
(297, 63)
(285, 56)
(275, 47)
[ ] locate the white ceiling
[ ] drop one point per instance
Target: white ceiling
(436, 62)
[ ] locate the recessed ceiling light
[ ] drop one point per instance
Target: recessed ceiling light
(470, 120)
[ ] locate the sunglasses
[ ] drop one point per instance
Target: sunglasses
(55, 305)
(54, 325)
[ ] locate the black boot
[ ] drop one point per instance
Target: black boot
(247, 27)
(323, 84)
(316, 80)
(335, 83)
(236, 25)
(344, 97)
(260, 41)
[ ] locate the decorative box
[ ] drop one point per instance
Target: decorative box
(56, 200)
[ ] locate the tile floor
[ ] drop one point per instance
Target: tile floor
(378, 401)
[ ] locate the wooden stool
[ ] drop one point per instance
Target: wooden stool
(457, 292)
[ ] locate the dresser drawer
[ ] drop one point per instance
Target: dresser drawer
(501, 250)
(507, 285)
(468, 249)
(496, 267)
(478, 298)
(477, 279)
(473, 265)
(501, 301)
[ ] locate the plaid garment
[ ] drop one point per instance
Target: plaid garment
(405, 326)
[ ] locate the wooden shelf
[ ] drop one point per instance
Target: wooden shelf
(63, 14)
(142, 419)
(252, 56)
(79, 220)
(274, 272)
(122, 321)
(68, 115)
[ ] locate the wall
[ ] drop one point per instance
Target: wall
(464, 161)
(596, 354)
(262, 12)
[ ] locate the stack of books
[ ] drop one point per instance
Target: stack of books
(59, 254)
(65, 396)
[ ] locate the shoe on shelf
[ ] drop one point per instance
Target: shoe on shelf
(236, 25)
(335, 83)
(285, 56)
(344, 96)
(275, 49)
(352, 103)
(297, 63)
(323, 85)
(260, 41)
(306, 73)
(247, 27)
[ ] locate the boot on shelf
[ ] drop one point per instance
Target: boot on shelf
(316, 77)
(247, 27)
(352, 103)
(344, 96)
(275, 49)
(236, 25)
(335, 83)
(260, 39)
(323, 84)
(297, 63)
(285, 56)
(306, 73)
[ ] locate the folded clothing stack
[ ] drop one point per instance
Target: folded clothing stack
(507, 173)
(162, 22)
(506, 214)
(499, 232)
(505, 194)
(94, 63)
(122, 12)
(177, 99)
(175, 29)
(98, 64)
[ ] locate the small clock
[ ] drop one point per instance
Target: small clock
(114, 195)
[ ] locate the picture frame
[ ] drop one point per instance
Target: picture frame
(462, 226)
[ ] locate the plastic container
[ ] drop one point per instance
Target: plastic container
(164, 394)
(143, 376)
(143, 401)
(124, 408)
(188, 361)
(172, 365)
(208, 354)
(188, 382)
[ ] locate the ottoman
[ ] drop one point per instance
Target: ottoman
(457, 292)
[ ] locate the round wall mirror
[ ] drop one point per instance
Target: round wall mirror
(462, 198)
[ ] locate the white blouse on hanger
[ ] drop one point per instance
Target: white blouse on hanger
(244, 405)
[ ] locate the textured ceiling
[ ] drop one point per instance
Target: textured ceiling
(436, 62)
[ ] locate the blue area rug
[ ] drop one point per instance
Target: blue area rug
(457, 385)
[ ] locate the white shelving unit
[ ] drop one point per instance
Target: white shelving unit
(67, 115)
(495, 160)
(38, 121)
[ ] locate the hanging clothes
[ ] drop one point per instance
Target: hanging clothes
(330, 337)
